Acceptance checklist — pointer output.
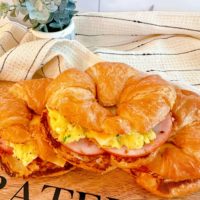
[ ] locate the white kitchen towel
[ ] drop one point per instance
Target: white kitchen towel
(164, 43)
(31, 57)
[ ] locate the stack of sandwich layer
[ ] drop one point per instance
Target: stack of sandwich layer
(109, 116)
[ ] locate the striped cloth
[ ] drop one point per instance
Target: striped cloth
(164, 43)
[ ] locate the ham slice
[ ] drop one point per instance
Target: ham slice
(85, 147)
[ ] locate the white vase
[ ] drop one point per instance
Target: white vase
(67, 33)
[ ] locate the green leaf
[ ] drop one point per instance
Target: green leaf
(34, 23)
(55, 25)
(63, 5)
(45, 28)
(72, 1)
(13, 13)
(71, 6)
(42, 27)
(39, 27)
(37, 11)
(57, 2)
(22, 10)
(52, 7)
(18, 1)
(56, 14)
(26, 18)
(50, 18)
(73, 12)
(4, 8)
(39, 16)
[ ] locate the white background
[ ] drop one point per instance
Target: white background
(131, 5)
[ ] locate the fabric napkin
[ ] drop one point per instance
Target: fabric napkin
(165, 43)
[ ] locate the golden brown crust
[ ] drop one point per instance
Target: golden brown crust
(171, 162)
(139, 101)
(37, 168)
(188, 139)
(146, 101)
(186, 109)
(116, 124)
(32, 92)
(19, 125)
(110, 79)
(69, 79)
(98, 163)
(142, 101)
(73, 95)
(14, 119)
(173, 169)
(5, 85)
(168, 189)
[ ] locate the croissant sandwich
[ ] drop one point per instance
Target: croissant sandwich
(23, 148)
(111, 110)
(173, 170)
(109, 116)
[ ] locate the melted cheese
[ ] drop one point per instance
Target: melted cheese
(65, 132)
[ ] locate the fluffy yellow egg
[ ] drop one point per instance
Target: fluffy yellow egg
(65, 132)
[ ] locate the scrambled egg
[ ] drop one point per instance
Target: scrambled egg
(24, 152)
(27, 152)
(66, 132)
(63, 130)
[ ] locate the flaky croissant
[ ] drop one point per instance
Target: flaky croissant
(21, 140)
(72, 95)
(173, 170)
(108, 116)
(86, 131)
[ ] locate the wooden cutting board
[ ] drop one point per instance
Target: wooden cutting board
(77, 185)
